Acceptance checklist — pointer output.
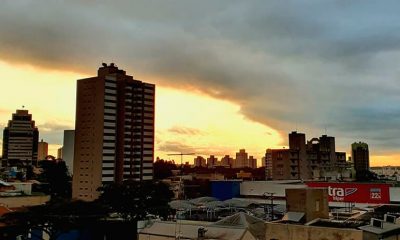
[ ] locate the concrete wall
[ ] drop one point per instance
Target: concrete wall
(23, 201)
(311, 201)
(281, 231)
(394, 194)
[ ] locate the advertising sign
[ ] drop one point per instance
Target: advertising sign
(355, 192)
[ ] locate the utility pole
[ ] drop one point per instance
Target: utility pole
(178, 234)
(180, 180)
(270, 196)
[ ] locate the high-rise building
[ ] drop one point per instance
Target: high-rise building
(360, 156)
(314, 160)
(212, 161)
(227, 161)
(60, 153)
(277, 165)
(199, 161)
(43, 150)
(68, 149)
(241, 160)
(114, 131)
(263, 161)
(20, 139)
(252, 162)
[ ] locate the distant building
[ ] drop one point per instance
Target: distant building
(226, 161)
(43, 150)
(60, 153)
(252, 162)
(212, 161)
(114, 131)
(68, 149)
(263, 161)
(20, 139)
(277, 165)
(360, 156)
(315, 159)
(241, 160)
(199, 161)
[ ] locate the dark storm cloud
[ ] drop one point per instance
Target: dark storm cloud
(289, 64)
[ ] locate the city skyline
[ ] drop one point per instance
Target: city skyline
(230, 76)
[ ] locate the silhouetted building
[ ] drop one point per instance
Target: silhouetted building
(312, 160)
(227, 161)
(241, 160)
(278, 165)
(43, 150)
(20, 139)
(199, 161)
(360, 156)
(114, 131)
(68, 149)
(252, 162)
(60, 153)
(263, 161)
(212, 161)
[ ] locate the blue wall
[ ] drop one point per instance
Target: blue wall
(224, 190)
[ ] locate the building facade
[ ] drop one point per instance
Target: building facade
(114, 131)
(360, 156)
(43, 150)
(252, 162)
(68, 149)
(20, 140)
(314, 159)
(241, 160)
(227, 161)
(199, 161)
(212, 161)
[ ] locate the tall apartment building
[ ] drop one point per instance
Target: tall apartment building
(43, 150)
(68, 149)
(360, 156)
(20, 139)
(241, 160)
(212, 161)
(227, 161)
(311, 160)
(114, 131)
(252, 162)
(199, 161)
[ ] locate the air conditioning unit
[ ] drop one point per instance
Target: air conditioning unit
(390, 218)
(377, 223)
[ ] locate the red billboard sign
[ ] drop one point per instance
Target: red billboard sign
(355, 192)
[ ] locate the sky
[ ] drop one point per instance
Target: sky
(229, 74)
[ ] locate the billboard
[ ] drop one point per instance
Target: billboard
(355, 192)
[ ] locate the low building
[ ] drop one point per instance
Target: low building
(313, 203)
(287, 231)
(236, 227)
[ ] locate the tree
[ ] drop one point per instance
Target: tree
(366, 175)
(135, 200)
(55, 173)
(163, 169)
